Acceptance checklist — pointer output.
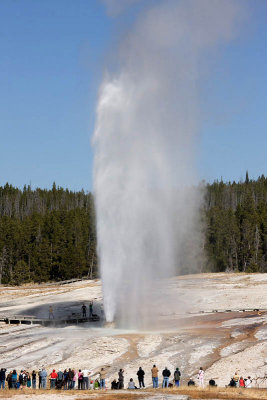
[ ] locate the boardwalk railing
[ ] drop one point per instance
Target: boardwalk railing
(84, 278)
(76, 319)
(31, 320)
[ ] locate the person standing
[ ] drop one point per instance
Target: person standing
(14, 378)
(21, 378)
(166, 373)
(74, 379)
(90, 309)
(40, 379)
(51, 312)
(33, 379)
(9, 380)
(155, 377)
(70, 379)
(2, 378)
(65, 377)
(28, 380)
(121, 379)
(86, 374)
(80, 380)
(84, 310)
(53, 378)
(141, 374)
(177, 377)
(201, 377)
(43, 375)
(102, 374)
(60, 378)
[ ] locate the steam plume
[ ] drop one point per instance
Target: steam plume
(144, 142)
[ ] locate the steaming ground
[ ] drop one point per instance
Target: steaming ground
(219, 342)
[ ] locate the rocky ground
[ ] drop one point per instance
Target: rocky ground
(189, 335)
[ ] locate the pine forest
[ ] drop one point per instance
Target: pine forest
(50, 235)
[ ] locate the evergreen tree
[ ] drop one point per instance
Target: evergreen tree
(50, 235)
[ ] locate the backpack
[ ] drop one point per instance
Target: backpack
(177, 375)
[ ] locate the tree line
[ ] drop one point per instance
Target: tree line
(50, 235)
(46, 235)
(236, 226)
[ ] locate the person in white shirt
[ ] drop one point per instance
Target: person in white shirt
(248, 382)
(86, 374)
(131, 384)
(201, 377)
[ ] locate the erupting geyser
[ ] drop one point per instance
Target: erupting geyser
(144, 143)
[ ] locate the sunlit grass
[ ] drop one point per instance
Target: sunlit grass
(217, 393)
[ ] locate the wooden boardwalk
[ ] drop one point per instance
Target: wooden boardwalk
(75, 320)
(30, 320)
(229, 311)
(219, 311)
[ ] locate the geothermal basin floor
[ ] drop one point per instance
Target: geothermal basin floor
(221, 343)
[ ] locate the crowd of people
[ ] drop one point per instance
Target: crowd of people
(84, 379)
(239, 381)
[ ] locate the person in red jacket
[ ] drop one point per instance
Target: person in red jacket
(241, 382)
(53, 378)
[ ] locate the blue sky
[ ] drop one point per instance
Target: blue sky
(53, 53)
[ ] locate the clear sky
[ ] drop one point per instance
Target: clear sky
(52, 56)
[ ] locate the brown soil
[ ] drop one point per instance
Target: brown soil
(194, 393)
(222, 393)
(116, 396)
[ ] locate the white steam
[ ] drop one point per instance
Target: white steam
(144, 142)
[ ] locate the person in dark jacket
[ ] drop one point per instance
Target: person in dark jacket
(70, 379)
(177, 377)
(166, 373)
(9, 380)
(21, 378)
(212, 382)
(65, 382)
(114, 384)
(84, 310)
(191, 382)
(232, 383)
(2, 378)
(40, 379)
(60, 378)
(121, 379)
(33, 379)
(141, 374)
